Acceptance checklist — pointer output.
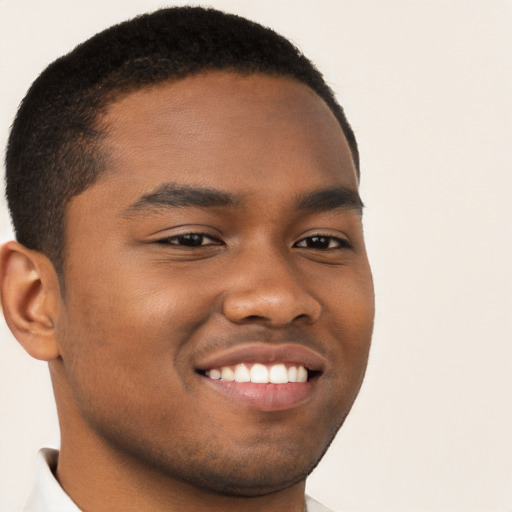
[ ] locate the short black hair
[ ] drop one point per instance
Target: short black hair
(53, 151)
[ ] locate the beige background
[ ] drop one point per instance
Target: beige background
(427, 86)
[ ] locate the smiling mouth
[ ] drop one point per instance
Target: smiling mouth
(263, 376)
(262, 363)
(275, 386)
(257, 373)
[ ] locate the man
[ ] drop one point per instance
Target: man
(190, 261)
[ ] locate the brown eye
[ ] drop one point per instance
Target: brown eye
(190, 240)
(323, 243)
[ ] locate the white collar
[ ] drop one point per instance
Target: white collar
(48, 496)
(313, 506)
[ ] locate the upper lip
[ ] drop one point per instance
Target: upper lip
(266, 354)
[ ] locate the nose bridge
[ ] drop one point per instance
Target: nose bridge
(266, 286)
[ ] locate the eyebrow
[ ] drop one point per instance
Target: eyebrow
(175, 196)
(331, 198)
(171, 195)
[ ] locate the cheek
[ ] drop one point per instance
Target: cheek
(358, 312)
(348, 300)
(349, 310)
(127, 333)
(122, 301)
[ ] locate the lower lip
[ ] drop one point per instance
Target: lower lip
(265, 397)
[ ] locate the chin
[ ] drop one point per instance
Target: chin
(257, 469)
(249, 480)
(261, 470)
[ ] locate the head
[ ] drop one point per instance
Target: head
(53, 152)
(194, 186)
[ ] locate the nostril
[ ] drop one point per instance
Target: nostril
(253, 318)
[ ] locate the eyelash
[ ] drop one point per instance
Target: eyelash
(341, 243)
(191, 236)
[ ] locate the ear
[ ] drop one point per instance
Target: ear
(30, 293)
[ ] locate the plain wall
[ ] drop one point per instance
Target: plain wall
(427, 86)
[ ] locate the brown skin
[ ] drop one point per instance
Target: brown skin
(141, 430)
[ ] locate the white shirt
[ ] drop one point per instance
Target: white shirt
(48, 496)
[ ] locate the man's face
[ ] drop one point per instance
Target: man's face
(224, 237)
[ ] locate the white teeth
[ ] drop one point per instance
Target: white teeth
(214, 374)
(302, 374)
(242, 373)
(227, 373)
(259, 373)
(278, 374)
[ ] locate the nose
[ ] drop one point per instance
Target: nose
(269, 290)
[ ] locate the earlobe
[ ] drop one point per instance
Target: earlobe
(30, 299)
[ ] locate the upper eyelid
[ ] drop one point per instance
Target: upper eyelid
(340, 237)
(205, 235)
(344, 241)
(184, 230)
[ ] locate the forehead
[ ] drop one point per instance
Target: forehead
(203, 126)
